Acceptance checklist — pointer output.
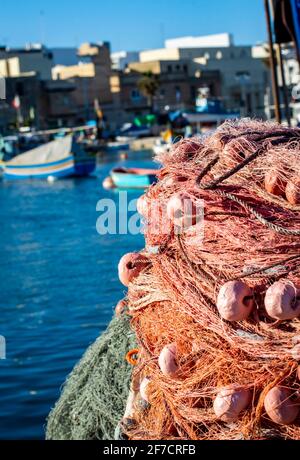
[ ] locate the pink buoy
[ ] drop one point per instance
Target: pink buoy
(142, 206)
(281, 301)
(279, 406)
(292, 192)
(296, 339)
(167, 360)
(295, 352)
(130, 266)
(108, 183)
(230, 402)
(144, 388)
(172, 181)
(182, 210)
(235, 301)
(274, 184)
(189, 147)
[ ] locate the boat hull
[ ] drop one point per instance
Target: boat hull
(70, 161)
(62, 168)
(84, 168)
(127, 180)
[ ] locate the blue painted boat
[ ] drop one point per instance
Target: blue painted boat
(133, 177)
(59, 158)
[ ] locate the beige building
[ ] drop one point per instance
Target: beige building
(91, 78)
(177, 89)
(81, 70)
(43, 103)
(244, 76)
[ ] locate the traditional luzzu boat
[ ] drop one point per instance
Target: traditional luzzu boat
(59, 158)
(133, 177)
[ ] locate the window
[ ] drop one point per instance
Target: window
(169, 68)
(135, 95)
(162, 93)
(185, 68)
(178, 67)
(219, 55)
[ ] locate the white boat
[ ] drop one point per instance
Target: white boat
(59, 158)
(125, 139)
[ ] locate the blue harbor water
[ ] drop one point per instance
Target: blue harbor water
(58, 286)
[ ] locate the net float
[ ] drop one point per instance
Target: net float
(108, 183)
(280, 407)
(186, 148)
(135, 382)
(296, 339)
(281, 300)
(130, 266)
(154, 210)
(292, 191)
(167, 360)
(274, 184)
(189, 147)
(295, 352)
(171, 181)
(235, 301)
(128, 418)
(144, 388)
(182, 211)
(230, 155)
(230, 402)
(120, 307)
(142, 206)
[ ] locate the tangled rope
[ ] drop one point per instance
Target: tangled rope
(203, 373)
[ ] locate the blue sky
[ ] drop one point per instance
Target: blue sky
(128, 24)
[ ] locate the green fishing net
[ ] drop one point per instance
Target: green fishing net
(94, 396)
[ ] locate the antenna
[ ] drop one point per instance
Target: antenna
(42, 27)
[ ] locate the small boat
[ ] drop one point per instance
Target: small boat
(114, 146)
(133, 177)
(59, 158)
(98, 146)
(125, 139)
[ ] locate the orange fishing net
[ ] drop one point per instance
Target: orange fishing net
(250, 232)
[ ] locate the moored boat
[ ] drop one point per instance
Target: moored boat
(133, 177)
(59, 158)
(114, 146)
